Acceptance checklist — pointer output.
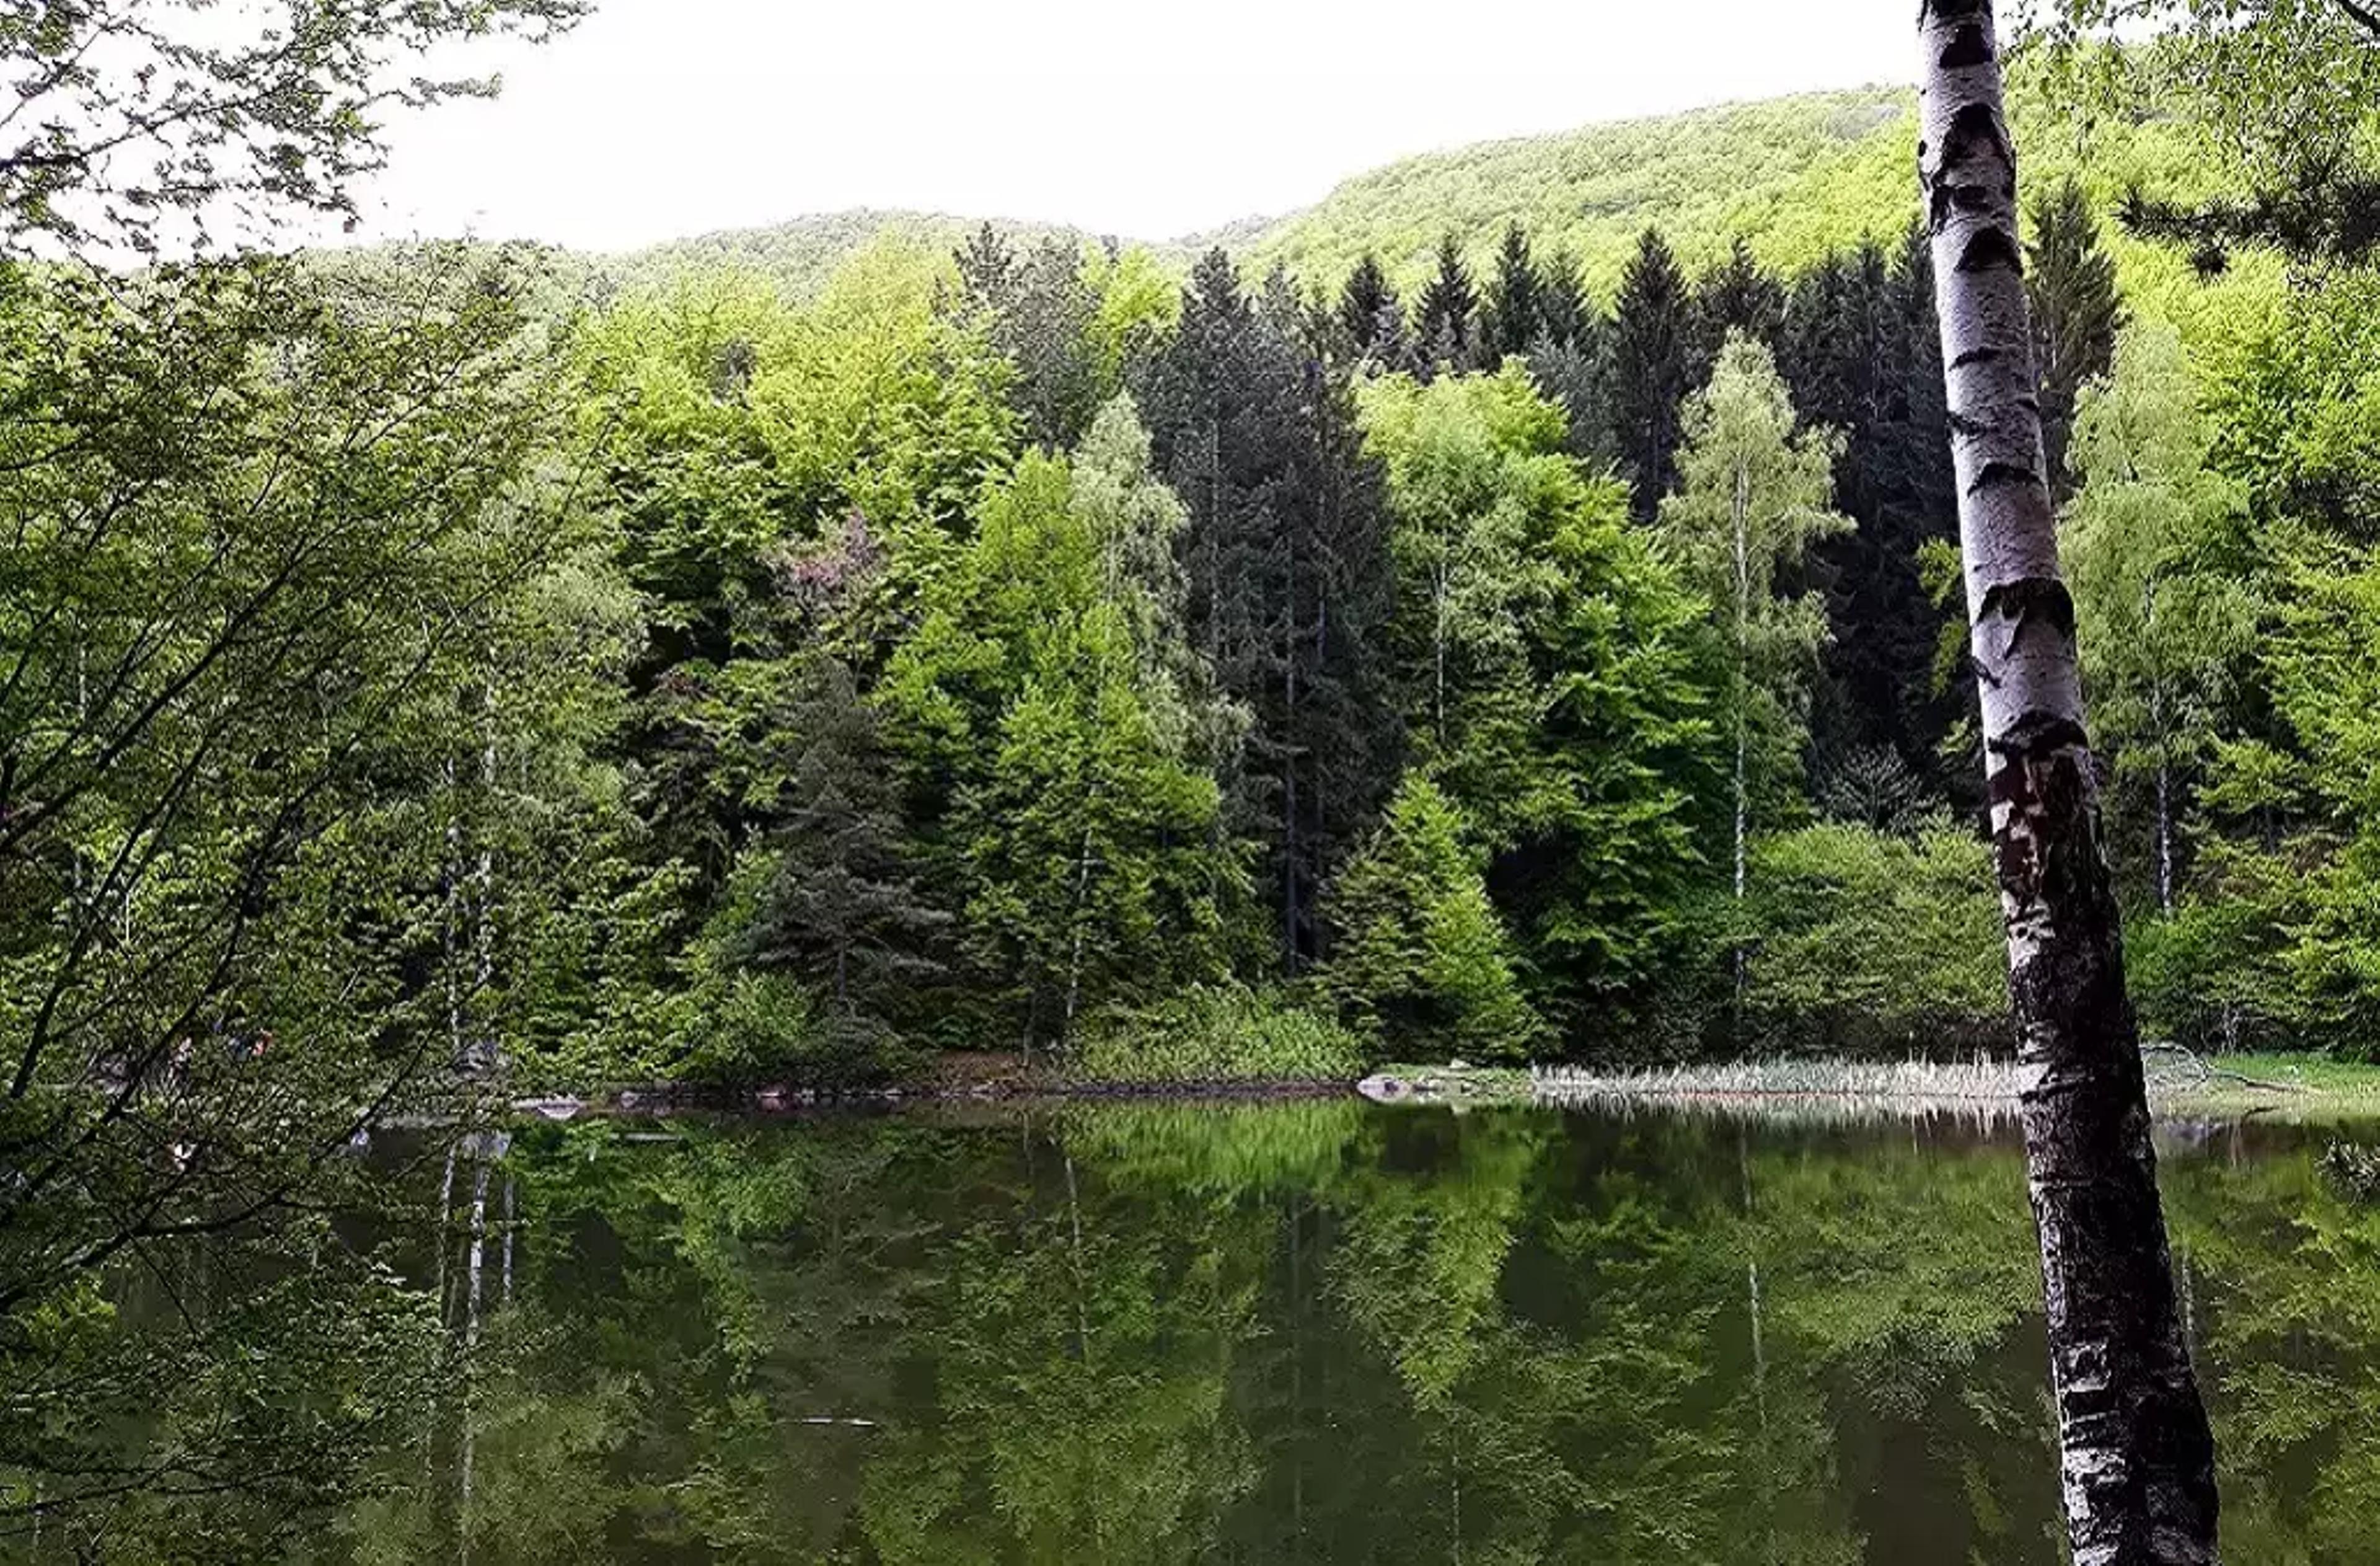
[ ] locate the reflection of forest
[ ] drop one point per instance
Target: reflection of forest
(1330, 1333)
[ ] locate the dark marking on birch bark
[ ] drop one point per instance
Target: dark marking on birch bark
(2021, 600)
(1992, 250)
(1968, 48)
(1976, 356)
(2003, 474)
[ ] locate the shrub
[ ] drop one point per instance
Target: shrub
(1218, 1036)
(759, 1027)
(1865, 942)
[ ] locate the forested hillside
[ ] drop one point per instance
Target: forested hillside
(1798, 177)
(1501, 610)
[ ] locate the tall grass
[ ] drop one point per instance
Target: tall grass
(1215, 1035)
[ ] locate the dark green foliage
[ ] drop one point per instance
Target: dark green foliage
(1514, 317)
(1371, 323)
(1862, 355)
(1655, 362)
(1289, 581)
(1737, 296)
(1446, 323)
(1038, 313)
(834, 898)
(2070, 285)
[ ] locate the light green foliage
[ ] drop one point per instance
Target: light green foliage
(1056, 730)
(1550, 670)
(2284, 87)
(1753, 495)
(1420, 952)
(2153, 546)
(1210, 1034)
(738, 428)
(1865, 942)
(2298, 405)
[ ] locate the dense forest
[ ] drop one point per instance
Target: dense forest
(470, 656)
(1510, 612)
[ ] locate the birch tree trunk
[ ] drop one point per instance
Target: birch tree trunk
(2137, 1459)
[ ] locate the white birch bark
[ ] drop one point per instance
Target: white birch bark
(2137, 1461)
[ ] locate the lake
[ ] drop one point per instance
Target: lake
(1326, 1331)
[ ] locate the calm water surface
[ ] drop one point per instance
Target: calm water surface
(1332, 1332)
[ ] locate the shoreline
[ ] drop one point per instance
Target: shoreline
(2289, 1088)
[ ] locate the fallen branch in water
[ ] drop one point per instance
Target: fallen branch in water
(2217, 1074)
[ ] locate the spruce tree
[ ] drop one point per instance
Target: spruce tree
(987, 268)
(1653, 367)
(1737, 295)
(1565, 315)
(1446, 325)
(1862, 354)
(2071, 288)
(837, 900)
(1371, 323)
(1513, 316)
(1290, 581)
(1422, 956)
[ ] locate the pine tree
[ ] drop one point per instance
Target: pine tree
(1653, 367)
(1371, 323)
(1512, 317)
(2071, 288)
(1446, 324)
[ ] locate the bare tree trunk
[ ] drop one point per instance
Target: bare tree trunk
(2138, 1464)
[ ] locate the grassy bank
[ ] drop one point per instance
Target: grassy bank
(2288, 1086)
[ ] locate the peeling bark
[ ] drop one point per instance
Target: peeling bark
(2137, 1459)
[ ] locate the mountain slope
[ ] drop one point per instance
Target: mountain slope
(1800, 177)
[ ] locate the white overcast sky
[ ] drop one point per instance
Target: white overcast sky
(660, 119)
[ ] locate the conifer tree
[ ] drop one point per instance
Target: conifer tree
(1371, 322)
(837, 899)
(1565, 314)
(1421, 954)
(1288, 579)
(1653, 367)
(1446, 324)
(1512, 317)
(987, 268)
(2071, 288)
(1737, 296)
(1862, 354)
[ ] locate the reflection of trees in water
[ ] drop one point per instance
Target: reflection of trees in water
(1321, 1333)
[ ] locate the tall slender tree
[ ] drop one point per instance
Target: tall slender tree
(1446, 321)
(1370, 319)
(1753, 499)
(1653, 367)
(2069, 281)
(1512, 315)
(2137, 1460)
